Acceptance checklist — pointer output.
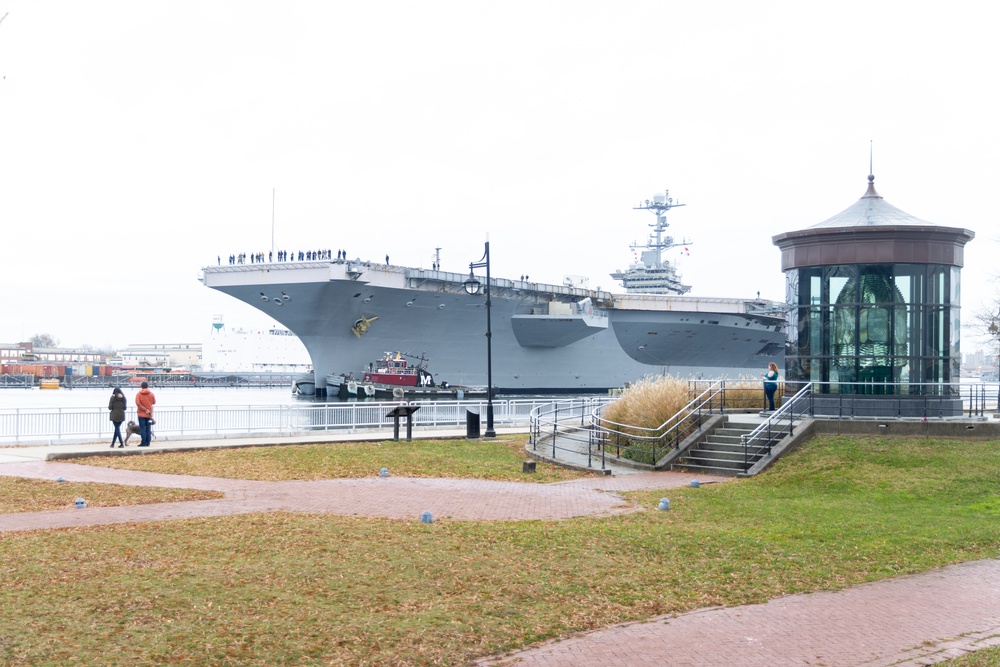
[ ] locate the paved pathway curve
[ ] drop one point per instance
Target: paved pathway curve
(902, 622)
(393, 497)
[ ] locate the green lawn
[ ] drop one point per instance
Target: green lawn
(989, 657)
(495, 459)
(284, 589)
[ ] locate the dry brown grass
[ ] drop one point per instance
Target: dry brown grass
(649, 404)
(653, 406)
(646, 411)
(18, 494)
(747, 393)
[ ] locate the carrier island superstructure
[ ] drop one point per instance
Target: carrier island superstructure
(546, 338)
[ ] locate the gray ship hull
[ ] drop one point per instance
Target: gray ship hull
(546, 338)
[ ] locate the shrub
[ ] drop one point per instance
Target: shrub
(747, 393)
(648, 409)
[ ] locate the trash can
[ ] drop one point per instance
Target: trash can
(471, 424)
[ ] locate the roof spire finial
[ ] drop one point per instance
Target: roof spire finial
(871, 172)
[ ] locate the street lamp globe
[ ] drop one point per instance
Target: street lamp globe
(472, 284)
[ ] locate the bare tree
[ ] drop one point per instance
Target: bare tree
(105, 350)
(43, 340)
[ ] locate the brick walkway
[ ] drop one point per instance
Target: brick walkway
(908, 621)
(393, 497)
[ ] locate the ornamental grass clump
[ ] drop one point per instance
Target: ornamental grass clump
(645, 413)
(747, 393)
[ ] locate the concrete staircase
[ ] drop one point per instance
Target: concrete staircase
(720, 452)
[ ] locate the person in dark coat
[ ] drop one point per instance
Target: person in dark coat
(117, 406)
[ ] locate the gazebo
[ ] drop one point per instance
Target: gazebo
(874, 308)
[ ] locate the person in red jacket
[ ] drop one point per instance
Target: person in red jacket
(144, 402)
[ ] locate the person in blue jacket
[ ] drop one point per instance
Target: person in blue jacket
(770, 384)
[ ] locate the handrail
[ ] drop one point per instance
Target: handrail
(766, 431)
(566, 426)
(688, 417)
(713, 391)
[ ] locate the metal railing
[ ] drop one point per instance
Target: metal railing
(649, 444)
(575, 431)
(48, 426)
(563, 429)
(922, 400)
(758, 443)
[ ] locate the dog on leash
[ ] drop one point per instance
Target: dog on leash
(133, 429)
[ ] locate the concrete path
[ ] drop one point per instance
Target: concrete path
(907, 621)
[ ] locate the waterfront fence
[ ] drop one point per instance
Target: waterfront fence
(63, 425)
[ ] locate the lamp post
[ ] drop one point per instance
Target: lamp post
(472, 286)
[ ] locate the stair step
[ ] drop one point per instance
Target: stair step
(731, 430)
(713, 460)
(706, 470)
(711, 443)
(723, 438)
(715, 455)
(722, 453)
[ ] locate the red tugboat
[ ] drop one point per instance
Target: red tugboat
(396, 372)
(395, 377)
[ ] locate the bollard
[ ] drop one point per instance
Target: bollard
(426, 517)
(61, 479)
(664, 504)
(80, 503)
(528, 466)
(694, 484)
(384, 472)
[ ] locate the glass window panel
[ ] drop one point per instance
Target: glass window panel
(909, 278)
(837, 279)
(814, 342)
(792, 278)
(874, 325)
(938, 285)
(815, 295)
(845, 331)
(934, 333)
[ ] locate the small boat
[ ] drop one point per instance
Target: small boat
(304, 385)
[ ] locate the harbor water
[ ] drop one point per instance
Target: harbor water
(97, 397)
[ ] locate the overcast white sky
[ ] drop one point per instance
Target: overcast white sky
(141, 140)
